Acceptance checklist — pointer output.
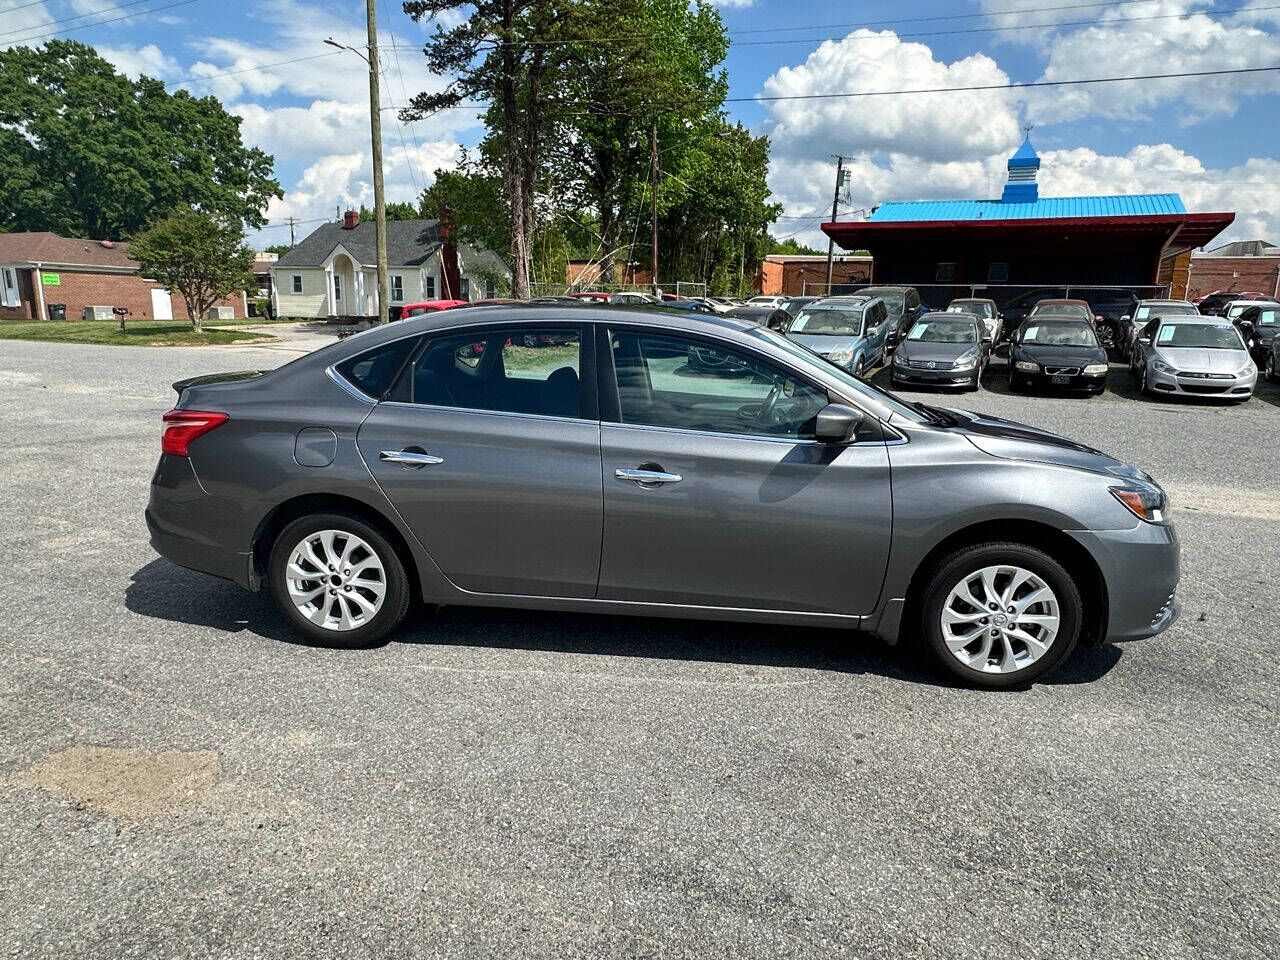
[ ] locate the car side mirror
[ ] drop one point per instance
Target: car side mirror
(1002, 350)
(1246, 325)
(1126, 318)
(837, 423)
(1142, 338)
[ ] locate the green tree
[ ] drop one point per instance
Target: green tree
(399, 210)
(278, 248)
(508, 55)
(790, 246)
(204, 259)
(88, 152)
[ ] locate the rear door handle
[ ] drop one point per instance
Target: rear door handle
(647, 477)
(410, 458)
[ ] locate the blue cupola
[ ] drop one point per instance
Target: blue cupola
(1022, 186)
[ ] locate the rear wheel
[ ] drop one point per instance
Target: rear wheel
(1000, 614)
(338, 581)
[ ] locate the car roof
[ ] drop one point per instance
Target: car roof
(950, 315)
(1165, 303)
(1057, 318)
(1061, 302)
(971, 300)
(1198, 318)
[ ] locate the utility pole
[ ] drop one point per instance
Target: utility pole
(835, 212)
(653, 208)
(293, 241)
(370, 55)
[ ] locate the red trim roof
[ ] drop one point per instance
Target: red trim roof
(1185, 230)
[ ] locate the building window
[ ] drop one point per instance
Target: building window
(297, 283)
(337, 287)
(397, 289)
(9, 287)
(429, 288)
(998, 273)
(464, 289)
(488, 289)
(946, 273)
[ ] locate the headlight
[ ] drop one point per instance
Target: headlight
(1247, 370)
(1096, 369)
(899, 360)
(966, 359)
(1026, 366)
(1146, 501)
(840, 356)
(1163, 367)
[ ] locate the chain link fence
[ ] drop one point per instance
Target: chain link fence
(681, 288)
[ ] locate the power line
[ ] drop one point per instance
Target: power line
(1020, 26)
(196, 78)
(96, 23)
(83, 16)
(1004, 86)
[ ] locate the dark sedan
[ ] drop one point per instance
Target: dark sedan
(775, 318)
(1058, 353)
(1258, 325)
(941, 350)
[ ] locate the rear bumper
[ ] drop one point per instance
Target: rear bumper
(195, 530)
(1140, 567)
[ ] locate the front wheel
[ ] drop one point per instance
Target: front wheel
(1269, 372)
(338, 581)
(1000, 615)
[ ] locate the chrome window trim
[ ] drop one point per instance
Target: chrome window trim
(347, 385)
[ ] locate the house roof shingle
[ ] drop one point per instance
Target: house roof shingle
(49, 248)
(410, 243)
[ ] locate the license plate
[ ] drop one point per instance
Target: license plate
(1060, 379)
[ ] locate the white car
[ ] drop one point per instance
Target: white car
(1232, 310)
(1198, 356)
(774, 302)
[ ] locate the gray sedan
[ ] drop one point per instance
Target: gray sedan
(577, 460)
(1193, 356)
(942, 350)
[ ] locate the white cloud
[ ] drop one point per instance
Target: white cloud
(27, 22)
(136, 61)
(938, 126)
(87, 7)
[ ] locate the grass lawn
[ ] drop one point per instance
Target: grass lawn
(138, 333)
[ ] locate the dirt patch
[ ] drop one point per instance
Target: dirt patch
(127, 782)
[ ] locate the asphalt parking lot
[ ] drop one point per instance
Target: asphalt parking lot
(178, 778)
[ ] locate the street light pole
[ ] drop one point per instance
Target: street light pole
(375, 132)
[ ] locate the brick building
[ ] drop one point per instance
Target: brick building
(40, 269)
(1245, 265)
(800, 275)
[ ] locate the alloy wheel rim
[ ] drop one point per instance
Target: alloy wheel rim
(336, 580)
(1000, 619)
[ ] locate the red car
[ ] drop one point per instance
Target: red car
(593, 295)
(428, 306)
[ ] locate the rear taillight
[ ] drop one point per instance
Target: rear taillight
(183, 426)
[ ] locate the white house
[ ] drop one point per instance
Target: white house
(333, 272)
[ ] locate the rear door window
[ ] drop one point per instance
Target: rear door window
(517, 370)
(374, 371)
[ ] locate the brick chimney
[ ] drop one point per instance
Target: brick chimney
(350, 220)
(451, 276)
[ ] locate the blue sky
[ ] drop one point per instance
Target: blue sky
(1215, 140)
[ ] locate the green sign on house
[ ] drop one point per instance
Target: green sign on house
(50, 279)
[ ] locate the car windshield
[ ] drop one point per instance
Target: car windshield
(1269, 317)
(1061, 310)
(802, 354)
(938, 330)
(1060, 335)
(828, 321)
(893, 301)
(1205, 336)
(1148, 311)
(971, 306)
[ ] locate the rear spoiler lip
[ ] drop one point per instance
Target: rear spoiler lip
(208, 378)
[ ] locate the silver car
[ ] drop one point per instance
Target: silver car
(1193, 356)
(573, 459)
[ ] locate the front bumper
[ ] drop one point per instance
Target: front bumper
(1190, 384)
(1140, 567)
(1077, 381)
(935, 378)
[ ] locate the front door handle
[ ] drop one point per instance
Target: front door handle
(410, 458)
(647, 477)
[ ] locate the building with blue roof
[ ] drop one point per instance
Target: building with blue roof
(1025, 240)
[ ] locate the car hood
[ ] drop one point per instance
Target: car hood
(1198, 360)
(822, 344)
(1017, 441)
(919, 350)
(1060, 356)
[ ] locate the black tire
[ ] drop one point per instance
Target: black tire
(965, 562)
(1269, 372)
(395, 602)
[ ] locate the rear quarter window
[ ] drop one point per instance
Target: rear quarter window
(373, 371)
